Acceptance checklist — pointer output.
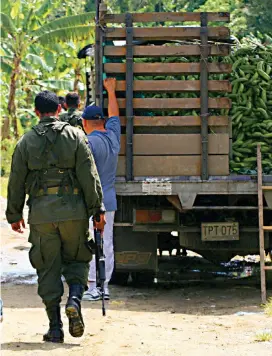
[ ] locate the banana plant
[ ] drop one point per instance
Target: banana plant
(25, 23)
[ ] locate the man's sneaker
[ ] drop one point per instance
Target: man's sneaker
(92, 295)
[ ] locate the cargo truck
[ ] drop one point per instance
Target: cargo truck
(173, 172)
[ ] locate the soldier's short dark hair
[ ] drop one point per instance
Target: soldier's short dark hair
(46, 102)
(61, 100)
(72, 100)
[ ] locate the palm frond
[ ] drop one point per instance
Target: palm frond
(7, 24)
(57, 84)
(5, 6)
(65, 22)
(44, 9)
(6, 66)
(28, 68)
(82, 32)
(36, 60)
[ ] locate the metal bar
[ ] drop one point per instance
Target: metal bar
(261, 231)
(96, 61)
(97, 58)
(204, 94)
(100, 69)
(230, 139)
(129, 97)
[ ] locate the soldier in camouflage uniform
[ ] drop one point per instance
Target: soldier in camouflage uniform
(73, 115)
(54, 166)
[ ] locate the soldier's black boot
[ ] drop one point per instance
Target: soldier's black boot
(73, 310)
(55, 332)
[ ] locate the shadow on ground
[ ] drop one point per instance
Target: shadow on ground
(19, 346)
(197, 299)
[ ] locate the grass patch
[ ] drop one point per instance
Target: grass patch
(268, 307)
(4, 187)
(264, 336)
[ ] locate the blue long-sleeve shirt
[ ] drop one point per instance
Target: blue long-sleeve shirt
(105, 146)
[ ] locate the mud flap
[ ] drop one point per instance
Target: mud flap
(135, 251)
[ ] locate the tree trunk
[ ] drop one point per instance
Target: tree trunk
(12, 91)
(77, 79)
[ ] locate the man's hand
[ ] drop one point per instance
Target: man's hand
(99, 225)
(17, 226)
(110, 84)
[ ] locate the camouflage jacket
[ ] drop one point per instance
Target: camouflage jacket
(73, 117)
(53, 155)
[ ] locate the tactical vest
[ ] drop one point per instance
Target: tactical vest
(72, 118)
(49, 173)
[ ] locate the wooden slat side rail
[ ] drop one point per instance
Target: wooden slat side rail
(267, 228)
(166, 51)
(152, 121)
(261, 221)
(174, 85)
(266, 187)
(167, 68)
(161, 166)
(175, 144)
(167, 16)
(167, 33)
(159, 104)
(268, 268)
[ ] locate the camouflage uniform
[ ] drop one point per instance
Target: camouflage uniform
(54, 166)
(73, 117)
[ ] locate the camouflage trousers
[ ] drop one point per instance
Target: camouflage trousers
(58, 249)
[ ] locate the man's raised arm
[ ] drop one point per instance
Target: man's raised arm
(113, 107)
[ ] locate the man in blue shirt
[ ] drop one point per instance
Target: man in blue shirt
(104, 141)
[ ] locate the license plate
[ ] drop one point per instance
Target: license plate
(220, 231)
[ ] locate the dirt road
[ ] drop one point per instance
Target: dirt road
(219, 319)
(185, 321)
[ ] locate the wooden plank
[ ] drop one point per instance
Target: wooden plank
(167, 68)
(268, 268)
(266, 187)
(174, 85)
(175, 144)
(152, 121)
(267, 228)
(183, 103)
(167, 16)
(166, 51)
(161, 166)
(167, 33)
(261, 221)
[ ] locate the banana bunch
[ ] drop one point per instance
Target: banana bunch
(251, 111)
(251, 96)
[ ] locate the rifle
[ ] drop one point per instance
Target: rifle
(100, 262)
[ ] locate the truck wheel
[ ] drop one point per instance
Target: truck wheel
(119, 278)
(143, 278)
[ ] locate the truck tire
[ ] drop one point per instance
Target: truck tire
(119, 278)
(143, 278)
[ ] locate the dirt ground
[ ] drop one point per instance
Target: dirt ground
(211, 319)
(195, 320)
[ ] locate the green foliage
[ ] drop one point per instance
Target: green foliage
(7, 25)
(264, 336)
(260, 15)
(268, 307)
(7, 148)
(4, 186)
